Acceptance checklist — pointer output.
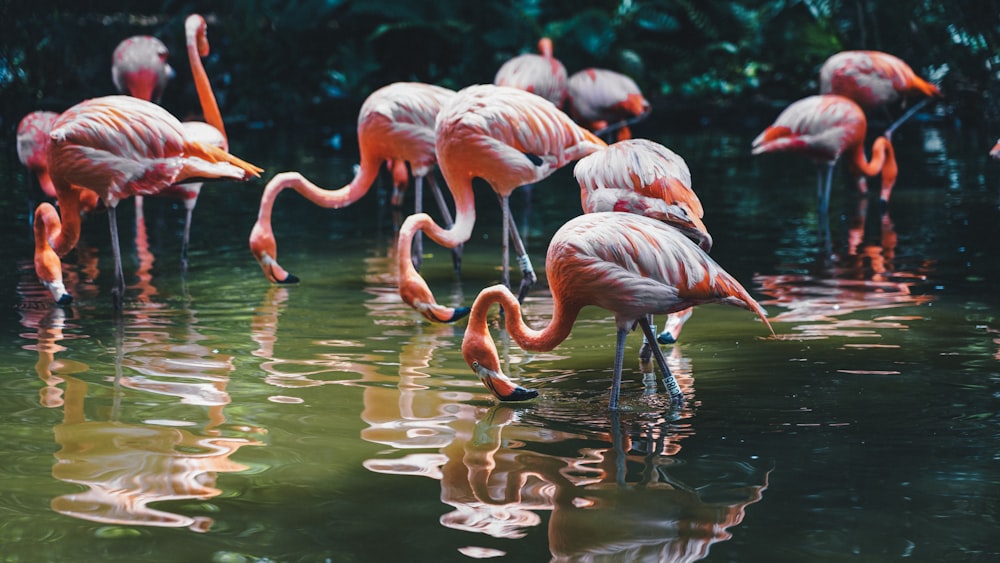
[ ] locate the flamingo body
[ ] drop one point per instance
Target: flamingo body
(600, 97)
(507, 137)
(119, 146)
(872, 78)
(827, 128)
(33, 146)
(630, 265)
(139, 67)
(995, 151)
(540, 74)
(395, 124)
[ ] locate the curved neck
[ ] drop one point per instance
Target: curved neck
(330, 199)
(881, 154)
(527, 338)
(197, 41)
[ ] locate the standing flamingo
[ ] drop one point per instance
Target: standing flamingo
(874, 79)
(211, 132)
(117, 146)
(631, 265)
(509, 138)
(603, 100)
(825, 128)
(646, 178)
(540, 74)
(396, 123)
(139, 67)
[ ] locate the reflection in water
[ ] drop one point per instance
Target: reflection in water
(625, 496)
(864, 278)
(124, 467)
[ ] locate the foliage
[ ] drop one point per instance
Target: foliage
(308, 61)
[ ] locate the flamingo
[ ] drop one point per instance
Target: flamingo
(630, 265)
(995, 151)
(509, 138)
(396, 124)
(604, 100)
(646, 178)
(32, 150)
(825, 128)
(210, 132)
(117, 146)
(139, 67)
(874, 79)
(540, 74)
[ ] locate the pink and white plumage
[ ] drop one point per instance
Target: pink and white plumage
(600, 98)
(117, 146)
(540, 74)
(139, 67)
(630, 265)
(507, 137)
(396, 123)
(827, 128)
(33, 146)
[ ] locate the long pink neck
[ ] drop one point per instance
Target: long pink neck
(330, 199)
(558, 329)
(883, 160)
(209, 107)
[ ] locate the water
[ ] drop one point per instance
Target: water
(225, 419)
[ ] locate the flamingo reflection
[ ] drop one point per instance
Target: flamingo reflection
(864, 277)
(626, 494)
(124, 467)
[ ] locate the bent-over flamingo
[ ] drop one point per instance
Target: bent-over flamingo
(826, 128)
(603, 100)
(631, 265)
(509, 138)
(540, 74)
(874, 79)
(117, 146)
(139, 67)
(646, 178)
(396, 123)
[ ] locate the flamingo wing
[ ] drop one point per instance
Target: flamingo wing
(821, 126)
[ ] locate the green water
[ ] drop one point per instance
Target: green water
(225, 419)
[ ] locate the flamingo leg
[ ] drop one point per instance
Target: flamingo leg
(456, 253)
(418, 207)
(186, 241)
(823, 183)
(676, 395)
(909, 113)
(118, 289)
(616, 378)
(528, 277)
(646, 351)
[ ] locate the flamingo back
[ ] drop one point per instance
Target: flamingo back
(139, 67)
(822, 127)
(542, 74)
(634, 266)
(597, 94)
(871, 78)
(507, 137)
(396, 122)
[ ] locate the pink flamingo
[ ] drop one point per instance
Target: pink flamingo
(826, 128)
(630, 265)
(509, 138)
(117, 146)
(396, 124)
(139, 67)
(604, 100)
(995, 151)
(33, 151)
(540, 74)
(874, 79)
(646, 178)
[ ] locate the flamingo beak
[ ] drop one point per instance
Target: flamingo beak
(501, 386)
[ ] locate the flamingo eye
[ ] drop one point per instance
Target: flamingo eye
(475, 365)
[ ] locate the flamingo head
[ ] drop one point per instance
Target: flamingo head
(480, 353)
(265, 250)
(416, 294)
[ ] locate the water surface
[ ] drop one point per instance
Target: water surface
(225, 419)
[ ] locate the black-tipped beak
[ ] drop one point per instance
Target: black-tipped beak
(289, 279)
(520, 394)
(460, 313)
(665, 338)
(66, 299)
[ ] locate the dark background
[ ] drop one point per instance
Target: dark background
(309, 64)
